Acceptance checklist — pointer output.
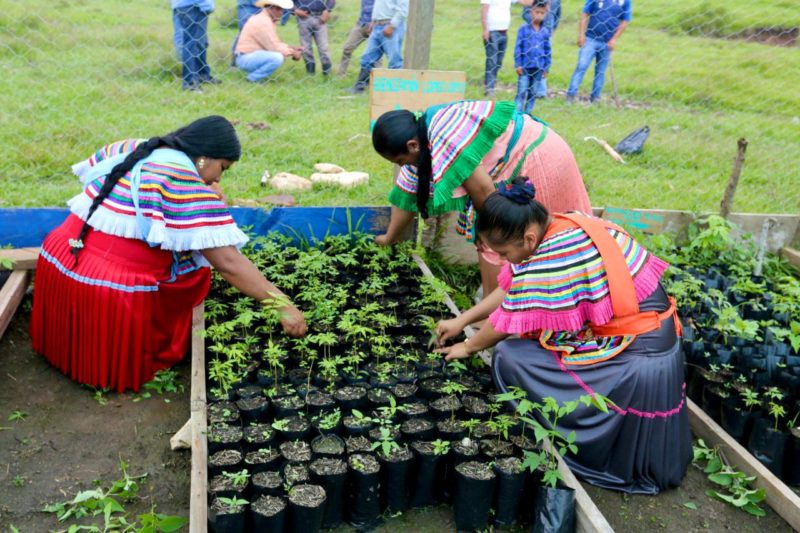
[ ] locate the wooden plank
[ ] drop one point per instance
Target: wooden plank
(23, 258)
(10, 297)
(791, 255)
(198, 504)
(589, 517)
(780, 498)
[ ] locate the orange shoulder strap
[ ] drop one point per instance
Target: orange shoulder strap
(620, 282)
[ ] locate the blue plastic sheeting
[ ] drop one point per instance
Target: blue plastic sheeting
(22, 227)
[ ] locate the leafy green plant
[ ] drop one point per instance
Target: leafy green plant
(330, 420)
(774, 407)
(386, 443)
(17, 416)
(441, 447)
(165, 381)
(750, 398)
(735, 486)
(239, 479)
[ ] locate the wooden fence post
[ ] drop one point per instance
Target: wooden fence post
(419, 29)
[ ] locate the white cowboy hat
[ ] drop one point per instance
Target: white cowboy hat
(284, 4)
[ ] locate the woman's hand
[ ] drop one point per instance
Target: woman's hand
(293, 321)
(447, 329)
(456, 351)
(384, 240)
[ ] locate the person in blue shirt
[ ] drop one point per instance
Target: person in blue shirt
(532, 56)
(358, 34)
(551, 22)
(192, 18)
(387, 28)
(602, 22)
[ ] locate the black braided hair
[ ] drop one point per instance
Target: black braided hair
(390, 134)
(212, 136)
(507, 213)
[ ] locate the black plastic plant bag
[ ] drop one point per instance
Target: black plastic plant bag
(395, 485)
(268, 524)
(364, 500)
(554, 510)
(768, 446)
(334, 485)
(428, 480)
(472, 501)
(507, 495)
(305, 519)
(227, 523)
(633, 143)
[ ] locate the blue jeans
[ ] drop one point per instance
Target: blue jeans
(592, 49)
(259, 64)
(194, 44)
(378, 44)
(495, 51)
(177, 34)
(526, 85)
(541, 88)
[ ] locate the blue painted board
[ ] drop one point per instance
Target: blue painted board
(22, 227)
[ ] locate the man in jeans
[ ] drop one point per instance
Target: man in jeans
(312, 23)
(388, 26)
(602, 22)
(191, 17)
(260, 51)
(358, 34)
(495, 20)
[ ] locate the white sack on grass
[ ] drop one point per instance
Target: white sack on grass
(328, 168)
(341, 179)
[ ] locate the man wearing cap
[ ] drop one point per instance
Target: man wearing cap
(312, 23)
(386, 36)
(260, 51)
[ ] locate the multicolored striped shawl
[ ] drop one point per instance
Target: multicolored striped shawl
(183, 213)
(460, 135)
(562, 287)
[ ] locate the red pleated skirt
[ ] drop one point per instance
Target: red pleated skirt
(114, 318)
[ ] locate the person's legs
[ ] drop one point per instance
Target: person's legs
(373, 53)
(321, 38)
(357, 35)
(192, 39)
(585, 56)
(541, 88)
(522, 91)
(495, 51)
(204, 68)
(305, 27)
(260, 64)
(177, 34)
(603, 57)
(533, 81)
(394, 47)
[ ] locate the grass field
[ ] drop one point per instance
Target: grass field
(80, 73)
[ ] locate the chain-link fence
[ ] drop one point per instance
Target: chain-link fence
(77, 74)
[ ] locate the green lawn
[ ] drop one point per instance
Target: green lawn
(81, 73)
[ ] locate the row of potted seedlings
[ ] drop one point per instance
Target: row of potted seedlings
(358, 418)
(741, 341)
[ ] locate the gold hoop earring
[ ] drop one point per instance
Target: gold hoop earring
(201, 163)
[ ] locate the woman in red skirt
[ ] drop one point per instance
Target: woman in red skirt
(116, 282)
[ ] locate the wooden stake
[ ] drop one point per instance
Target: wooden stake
(418, 34)
(733, 181)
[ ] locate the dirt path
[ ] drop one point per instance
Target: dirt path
(68, 439)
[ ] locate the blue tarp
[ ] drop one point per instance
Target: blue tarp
(22, 227)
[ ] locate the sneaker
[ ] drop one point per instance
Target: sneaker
(355, 90)
(212, 81)
(194, 87)
(570, 98)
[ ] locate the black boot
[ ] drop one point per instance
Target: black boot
(361, 82)
(310, 68)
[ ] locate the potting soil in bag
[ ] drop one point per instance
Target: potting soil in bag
(474, 490)
(508, 491)
(268, 514)
(306, 506)
(364, 491)
(331, 474)
(554, 510)
(225, 519)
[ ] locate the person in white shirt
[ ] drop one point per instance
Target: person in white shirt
(496, 19)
